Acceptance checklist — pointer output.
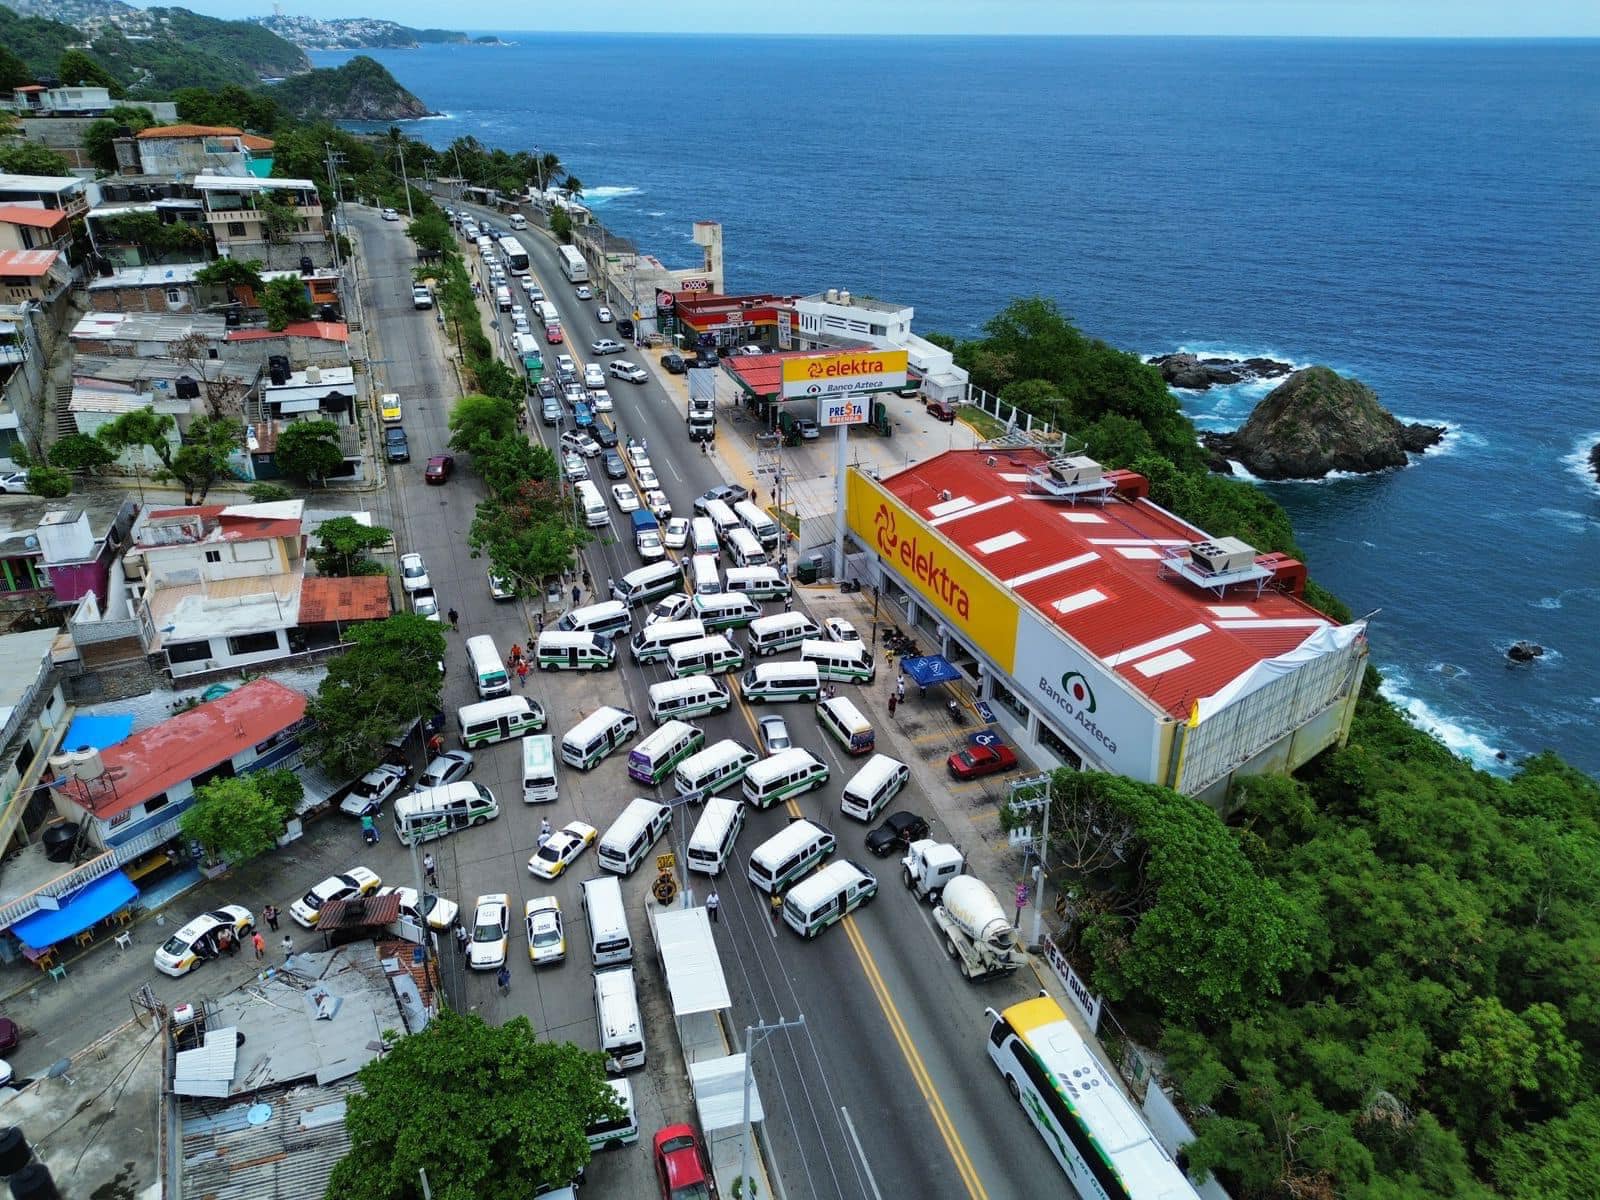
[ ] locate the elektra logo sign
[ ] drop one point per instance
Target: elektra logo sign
(924, 565)
(1075, 698)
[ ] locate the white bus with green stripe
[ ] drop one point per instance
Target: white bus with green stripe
(653, 759)
(789, 855)
(498, 720)
(714, 769)
(714, 655)
(559, 650)
(844, 662)
(785, 774)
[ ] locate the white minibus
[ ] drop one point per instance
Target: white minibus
(724, 610)
(517, 221)
(846, 662)
(683, 698)
(538, 769)
(591, 504)
(744, 549)
(703, 656)
(872, 787)
(771, 683)
(704, 579)
(714, 768)
(559, 650)
(815, 903)
(616, 1012)
(597, 735)
(606, 1133)
(757, 522)
(789, 854)
(721, 516)
(607, 919)
(768, 635)
(759, 583)
(435, 812)
(488, 669)
(782, 775)
(610, 617)
(647, 583)
(652, 759)
(498, 720)
(703, 536)
(653, 641)
(849, 728)
(632, 834)
(711, 843)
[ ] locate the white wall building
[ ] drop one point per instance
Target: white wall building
(832, 317)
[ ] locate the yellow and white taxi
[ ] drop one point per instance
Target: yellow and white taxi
(197, 941)
(357, 881)
(547, 936)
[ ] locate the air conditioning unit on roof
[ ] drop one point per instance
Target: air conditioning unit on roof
(1075, 470)
(1222, 555)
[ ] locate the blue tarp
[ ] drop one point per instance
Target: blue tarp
(95, 901)
(97, 732)
(929, 669)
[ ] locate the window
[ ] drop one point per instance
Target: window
(253, 643)
(235, 228)
(1068, 756)
(276, 739)
(157, 802)
(185, 652)
(213, 556)
(174, 296)
(880, 330)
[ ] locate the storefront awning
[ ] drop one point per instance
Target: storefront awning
(929, 669)
(93, 902)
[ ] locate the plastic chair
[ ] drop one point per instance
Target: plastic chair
(124, 940)
(59, 971)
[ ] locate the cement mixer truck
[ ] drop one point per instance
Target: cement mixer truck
(976, 932)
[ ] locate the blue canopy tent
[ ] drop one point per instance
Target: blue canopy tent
(929, 669)
(94, 901)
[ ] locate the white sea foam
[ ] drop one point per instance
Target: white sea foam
(1556, 601)
(1240, 471)
(1458, 738)
(1578, 462)
(655, 213)
(1571, 522)
(598, 197)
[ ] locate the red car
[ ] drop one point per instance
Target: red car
(977, 761)
(941, 411)
(439, 468)
(552, 334)
(681, 1168)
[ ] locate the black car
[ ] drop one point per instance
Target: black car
(604, 435)
(729, 493)
(674, 364)
(395, 446)
(548, 390)
(706, 360)
(900, 830)
(624, 327)
(613, 465)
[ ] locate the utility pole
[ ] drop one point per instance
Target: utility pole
(1035, 847)
(405, 181)
(765, 1029)
(333, 159)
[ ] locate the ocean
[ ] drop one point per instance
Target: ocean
(1419, 214)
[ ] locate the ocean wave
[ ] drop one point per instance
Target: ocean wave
(1578, 462)
(597, 196)
(1240, 471)
(1220, 350)
(1560, 598)
(1571, 522)
(655, 213)
(1457, 737)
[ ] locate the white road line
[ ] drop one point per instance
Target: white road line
(861, 1154)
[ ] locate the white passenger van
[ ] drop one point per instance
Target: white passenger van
(704, 579)
(815, 903)
(607, 1133)
(725, 610)
(703, 656)
(768, 635)
(744, 549)
(711, 843)
(849, 728)
(721, 516)
(759, 583)
(518, 221)
(591, 504)
(610, 617)
(652, 642)
(498, 720)
(703, 536)
(647, 583)
(789, 854)
(502, 298)
(607, 919)
(434, 812)
(684, 698)
(872, 787)
(846, 662)
(652, 760)
(616, 1012)
(488, 668)
(782, 775)
(632, 834)
(597, 735)
(757, 522)
(772, 683)
(538, 769)
(714, 768)
(558, 650)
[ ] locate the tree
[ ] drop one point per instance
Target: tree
(343, 546)
(77, 69)
(231, 274)
(572, 186)
(284, 300)
(309, 449)
(80, 452)
(476, 420)
(100, 136)
(388, 679)
(279, 216)
(432, 234)
(49, 482)
(229, 105)
(505, 465)
(14, 73)
(30, 158)
(266, 493)
(233, 819)
(481, 1109)
(201, 458)
(561, 224)
(528, 537)
(156, 240)
(496, 378)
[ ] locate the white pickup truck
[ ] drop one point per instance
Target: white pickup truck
(421, 297)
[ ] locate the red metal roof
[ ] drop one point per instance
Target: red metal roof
(187, 131)
(358, 598)
(1094, 571)
(23, 214)
(762, 374)
(224, 526)
(143, 766)
(332, 331)
(32, 264)
(253, 142)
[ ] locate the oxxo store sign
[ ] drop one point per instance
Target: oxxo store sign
(836, 376)
(964, 596)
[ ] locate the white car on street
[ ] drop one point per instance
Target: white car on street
(197, 940)
(840, 630)
(600, 400)
(547, 937)
(603, 315)
(357, 881)
(631, 371)
(647, 477)
(627, 499)
(656, 501)
(425, 604)
(670, 608)
(414, 573)
(607, 346)
(585, 292)
(649, 545)
(561, 848)
(368, 793)
(677, 533)
(593, 377)
(491, 930)
(637, 455)
(436, 911)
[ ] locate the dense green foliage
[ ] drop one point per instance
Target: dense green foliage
(99, 136)
(77, 69)
(157, 241)
(344, 547)
(80, 452)
(361, 89)
(49, 482)
(482, 1110)
(309, 450)
(241, 817)
(232, 104)
(198, 462)
(31, 158)
(267, 493)
(283, 301)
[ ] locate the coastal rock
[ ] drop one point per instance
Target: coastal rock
(1193, 373)
(1594, 460)
(1317, 421)
(1522, 652)
(360, 90)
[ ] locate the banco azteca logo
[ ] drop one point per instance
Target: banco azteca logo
(1076, 686)
(888, 538)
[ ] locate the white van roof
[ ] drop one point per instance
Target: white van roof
(650, 573)
(596, 612)
(601, 718)
(874, 771)
(815, 888)
(788, 670)
(786, 841)
(781, 763)
(563, 639)
(672, 689)
(665, 735)
(663, 630)
(713, 756)
(699, 645)
(639, 813)
(427, 798)
(715, 817)
(847, 714)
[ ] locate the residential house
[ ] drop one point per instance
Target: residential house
(143, 335)
(26, 227)
(838, 319)
(240, 208)
(63, 193)
(316, 392)
(170, 288)
(261, 459)
(35, 100)
(192, 149)
(32, 708)
(40, 276)
(53, 553)
(116, 244)
(24, 366)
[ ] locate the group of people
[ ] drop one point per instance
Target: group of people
(517, 663)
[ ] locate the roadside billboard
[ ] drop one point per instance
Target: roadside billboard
(940, 574)
(826, 376)
(841, 410)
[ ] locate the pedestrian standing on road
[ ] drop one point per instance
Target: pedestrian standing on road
(900, 688)
(288, 947)
(702, 447)
(545, 831)
(788, 602)
(611, 586)
(711, 905)
(503, 978)
(461, 938)
(541, 621)
(516, 654)
(775, 904)
(430, 869)
(455, 619)
(260, 943)
(270, 912)
(577, 593)
(893, 700)
(522, 673)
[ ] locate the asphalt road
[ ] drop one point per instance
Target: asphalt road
(892, 1051)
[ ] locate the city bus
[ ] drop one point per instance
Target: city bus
(516, 255)
(572, 264)
(1075, 1103)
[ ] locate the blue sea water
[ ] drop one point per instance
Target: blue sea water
(1422, 215)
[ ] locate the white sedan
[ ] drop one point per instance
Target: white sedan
(197, 941)
(670, 608)
(631, 371)
(647, 477)
(627, 499)
(600, 400)
(677, 533)
(561, 848)
(357, 881)
(438, 912)
(491, 930)
(547, 937)
(14, 483)
(603, 315)
(593, 377)
(649, 544)
(414, 573)
(368, 793)
(607, 346)
(656, 501)
(585, 292)
(637, 454)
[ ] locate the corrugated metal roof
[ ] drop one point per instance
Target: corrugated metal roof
(289, 1156)
(207, 1070)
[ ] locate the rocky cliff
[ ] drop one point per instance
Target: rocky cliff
(1196, 374)
(361, 90)
(1317, 421)
(1594, 460)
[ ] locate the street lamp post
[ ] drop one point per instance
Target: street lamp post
(750, 1031)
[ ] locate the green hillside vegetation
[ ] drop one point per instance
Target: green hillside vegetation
(360, 90)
